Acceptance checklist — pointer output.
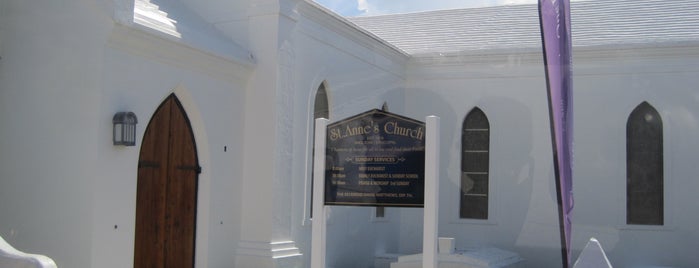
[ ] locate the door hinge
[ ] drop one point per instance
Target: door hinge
(196, 168)
(148, 164)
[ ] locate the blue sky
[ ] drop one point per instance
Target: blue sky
(354, 8)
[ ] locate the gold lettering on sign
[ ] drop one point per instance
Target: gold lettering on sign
(349, 131)
(394, 129)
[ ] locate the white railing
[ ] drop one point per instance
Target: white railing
(13, 258)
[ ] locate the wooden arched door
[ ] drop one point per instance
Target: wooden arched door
(166, 198)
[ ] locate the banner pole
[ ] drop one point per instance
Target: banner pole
(556, 42)
(318, 227)
(431, 210)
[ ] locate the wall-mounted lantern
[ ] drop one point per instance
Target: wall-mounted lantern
(124, 128)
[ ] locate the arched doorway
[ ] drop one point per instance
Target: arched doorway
(166, 198)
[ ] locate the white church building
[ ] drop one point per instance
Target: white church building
(226, 92)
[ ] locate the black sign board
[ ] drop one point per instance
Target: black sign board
(375, 158)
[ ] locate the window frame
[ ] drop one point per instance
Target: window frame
(665, 209)
(490, 197)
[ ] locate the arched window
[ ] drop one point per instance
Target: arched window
(320, 106)
(644, 166)
(475, 145)
(320, 110)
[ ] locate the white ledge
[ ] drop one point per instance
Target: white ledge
(13, 258)
(274, 250)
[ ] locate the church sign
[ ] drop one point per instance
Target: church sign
(375, 158)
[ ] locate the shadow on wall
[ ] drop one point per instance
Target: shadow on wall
(419, 104)
(513, 208)
(512, 168)
(512, 165)
(353, 236)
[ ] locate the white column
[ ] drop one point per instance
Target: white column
(431, 209)
(318, 230)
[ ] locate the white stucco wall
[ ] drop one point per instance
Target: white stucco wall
(63, 183)
(66, 191)
(359, 74)
(510, 89)
(50, 91)
(608, 84)
(215, 107)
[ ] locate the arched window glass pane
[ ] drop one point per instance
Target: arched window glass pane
(320, 110)
(644, 166)
(320, 107)
(475, 145)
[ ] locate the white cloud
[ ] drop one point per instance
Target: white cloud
(342, 7)
(363, 6)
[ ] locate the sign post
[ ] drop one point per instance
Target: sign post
(431, 216)
(318, 228)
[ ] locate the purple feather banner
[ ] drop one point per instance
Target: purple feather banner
(554, 18)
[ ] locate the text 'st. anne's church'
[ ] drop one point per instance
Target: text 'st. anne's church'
(224, 96)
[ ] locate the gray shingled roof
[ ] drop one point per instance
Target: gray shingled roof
(593, 23)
